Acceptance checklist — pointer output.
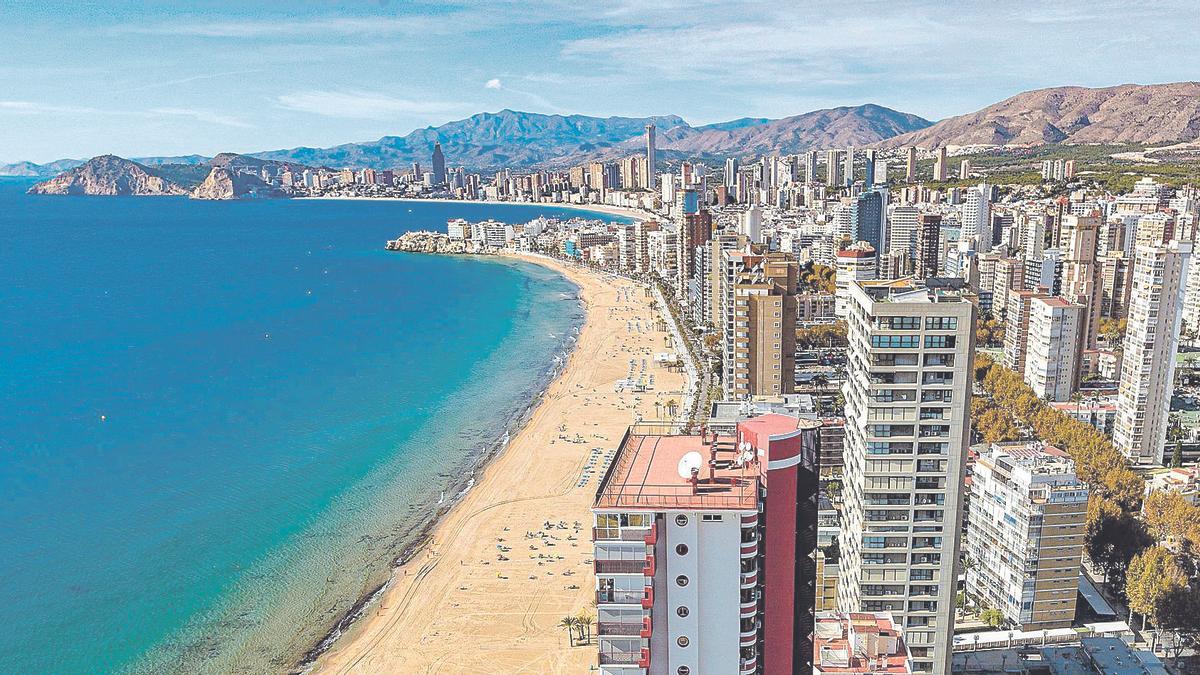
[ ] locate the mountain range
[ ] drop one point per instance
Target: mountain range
(1129, 113)
(1126, 114)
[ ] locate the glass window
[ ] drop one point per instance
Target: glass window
(941, 323)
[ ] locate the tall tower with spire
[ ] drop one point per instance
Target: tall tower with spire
(439, 164)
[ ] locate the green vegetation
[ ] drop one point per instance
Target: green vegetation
(992, 617)
(822, 335)
(817, 278)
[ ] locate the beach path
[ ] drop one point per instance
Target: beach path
(488, 591)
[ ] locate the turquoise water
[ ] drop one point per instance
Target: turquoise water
(221, 422)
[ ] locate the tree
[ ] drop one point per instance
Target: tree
(992, 617)
(1177, 456)
(567, 623)
(583, 624)
(1113, 538)
(1154, 575)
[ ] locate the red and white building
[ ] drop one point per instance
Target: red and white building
(860, 642)
(704, 548)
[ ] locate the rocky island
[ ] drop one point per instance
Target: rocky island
(109, 175)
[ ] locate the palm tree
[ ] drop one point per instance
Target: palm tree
(583, 622)
(567, 623)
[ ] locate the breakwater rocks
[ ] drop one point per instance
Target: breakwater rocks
(437, 242)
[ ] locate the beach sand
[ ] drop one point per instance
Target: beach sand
(456, 607)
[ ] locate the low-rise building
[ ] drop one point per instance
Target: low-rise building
(860, 642)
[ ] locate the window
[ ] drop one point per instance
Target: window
(683, 670)
(681, 520)
(896, 341)
(681, 549)
(939, 341)
(711, 517)
(941, 323)
(683, 641)
(900, 322)
(682, 611)
(681, 580)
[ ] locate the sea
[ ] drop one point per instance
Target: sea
(221, 423)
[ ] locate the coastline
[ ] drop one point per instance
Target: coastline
(532, 479)
(595, 208)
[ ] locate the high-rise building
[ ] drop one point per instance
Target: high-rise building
(868, 216)
(939, 165)
(869, 164)
(810, 166)
(1016, 328)
(439, 164)
(909, 381)
(1082, 275)
(759, 319)
(1053, 347)
(929, 245)
(910, 164)
(848, 171)
(731, 172)
(690, 531)
(1025, 531)
(902, 230)
(651, 157)
(854, 263)
(833, 168)
(1151, 339)
(964, 169)
(977, 218)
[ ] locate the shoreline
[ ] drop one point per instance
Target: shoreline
(607, 209)
(424, 536)
(376, 635)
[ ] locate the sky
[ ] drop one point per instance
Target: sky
(151, 78)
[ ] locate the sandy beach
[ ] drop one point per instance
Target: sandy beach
(511, 559)
(595, 208)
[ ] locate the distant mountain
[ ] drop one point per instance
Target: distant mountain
(1129, 113)
(31, 170)
(486, 140)
(520, 139)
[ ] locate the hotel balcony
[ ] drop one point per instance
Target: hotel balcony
(748, 638)
(615, 658)
(748, 666)
(648, 598)
(750, 520)
(749, 579)
(749, 609)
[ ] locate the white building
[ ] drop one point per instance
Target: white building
(1151, 339)
(856, 263)
(977, 218)
(1025, 533)
(1052, 347)
(909, 385)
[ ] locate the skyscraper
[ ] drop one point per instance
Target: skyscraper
(833, 168)
(810, 166)
(1053, 347)
(869, 161)
(929, 245)
(731, 172)
(651, 156)
(910, 165)
(1151, 339)
(868, 215)
(1082, 275)
(909, 382)
(977, 218)
(849, 170)
(939, 164)
(439, 164)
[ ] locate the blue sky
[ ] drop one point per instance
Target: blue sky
(160, 78)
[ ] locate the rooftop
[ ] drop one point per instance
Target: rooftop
(652, 467)
(859, 642)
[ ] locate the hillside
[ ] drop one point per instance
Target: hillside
(1125, 114)
(109, 175)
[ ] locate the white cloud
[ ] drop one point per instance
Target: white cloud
(363, 105)
(205, 116)
(321, 26)
(493, 83)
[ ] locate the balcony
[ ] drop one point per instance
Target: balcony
(620, 566)
(647, 628)
(750, 549)
(626, 534)
(750, 579)
(648, 598)
(750, 520)
(618, 629)
(622, 658)
(748, 666)
(625, 597)
(749, 609)
(748, 638)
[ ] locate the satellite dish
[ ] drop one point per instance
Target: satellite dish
(690, 462)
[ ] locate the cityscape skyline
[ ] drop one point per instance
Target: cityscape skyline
(157, 81)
